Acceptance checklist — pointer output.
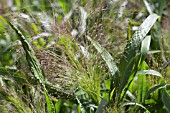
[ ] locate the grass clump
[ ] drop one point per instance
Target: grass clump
(88, 56)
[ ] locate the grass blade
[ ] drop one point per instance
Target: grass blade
(106, 56)
(154, 89)
(128, 68)
(142, 84)
(58, 105)
(33, 63)
(150, 72)
(148, 7)
(32, 60)
(50, 106)
(166, 100)
(136, 104)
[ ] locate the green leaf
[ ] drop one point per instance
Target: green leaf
(33, 63)
(106, 56)
(166, 100)
(150, 72)
(133, 46)
(58, 106)
(50, 106)
(153, 89)
(31, 59)
(148, 6)
(142, 83)
(128, 63)
(135, 104)
(150, 101)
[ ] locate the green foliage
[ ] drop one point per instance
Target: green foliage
(64, 56)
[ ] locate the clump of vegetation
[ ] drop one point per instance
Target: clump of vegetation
(84, 56)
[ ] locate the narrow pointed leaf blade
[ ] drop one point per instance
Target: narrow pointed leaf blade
(106, 56)
(132, 50)
(147, 24)
(50, 106)
(135, 104)
(166, 100)
(133, 46)
(33, 63)
(150, 72)
(31, 59)
(154, 89)
(58, 105)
